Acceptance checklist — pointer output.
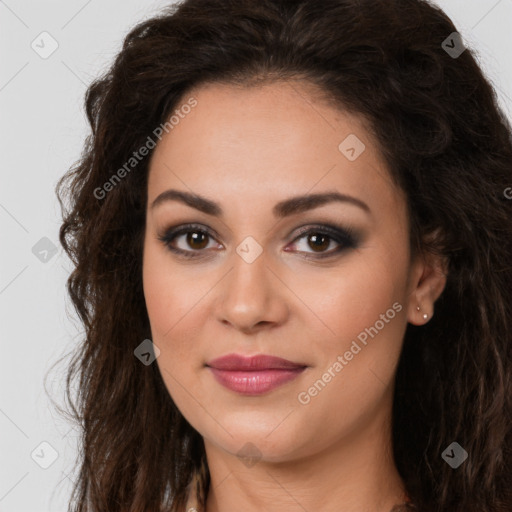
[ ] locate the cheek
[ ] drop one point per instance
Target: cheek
(174, 302)
(363, 306)
(169, 299)
(355, 296)
(170, 291)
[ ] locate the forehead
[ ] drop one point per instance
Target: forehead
(269, 140)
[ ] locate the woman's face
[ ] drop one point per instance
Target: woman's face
(334, 301)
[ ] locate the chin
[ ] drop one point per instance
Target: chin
(252, 444)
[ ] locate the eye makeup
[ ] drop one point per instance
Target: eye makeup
(346, 239)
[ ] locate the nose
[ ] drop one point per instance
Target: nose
(252, 297)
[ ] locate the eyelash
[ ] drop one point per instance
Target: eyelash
(345, 237)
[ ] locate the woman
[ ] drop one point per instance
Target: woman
(292, 238)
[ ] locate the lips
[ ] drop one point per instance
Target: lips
(235, 362)
(253, 375)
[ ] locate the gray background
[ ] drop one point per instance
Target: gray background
(42, 130)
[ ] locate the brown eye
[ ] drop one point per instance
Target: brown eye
(318, 242)
(192, 241)
(197, 239)
(188, 241)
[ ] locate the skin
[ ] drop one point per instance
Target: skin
(247, 149)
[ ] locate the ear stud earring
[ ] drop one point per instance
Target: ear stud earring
(425, 315)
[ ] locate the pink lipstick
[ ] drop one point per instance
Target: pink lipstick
(254, 375)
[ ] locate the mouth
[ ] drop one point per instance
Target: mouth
(254, 375)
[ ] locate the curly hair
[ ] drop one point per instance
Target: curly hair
(447, 144)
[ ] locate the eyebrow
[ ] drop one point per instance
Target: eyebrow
(291, 206)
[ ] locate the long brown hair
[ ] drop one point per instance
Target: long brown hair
(447, 144)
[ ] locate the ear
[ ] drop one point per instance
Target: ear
(427, 281)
